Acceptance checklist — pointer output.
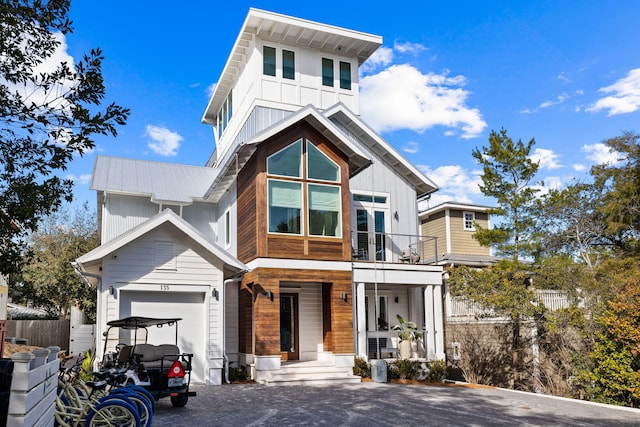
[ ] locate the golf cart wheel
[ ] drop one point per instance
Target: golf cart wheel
(180, 400)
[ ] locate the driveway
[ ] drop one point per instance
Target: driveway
(375, 404)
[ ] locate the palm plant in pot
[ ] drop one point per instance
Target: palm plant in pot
(408, 333)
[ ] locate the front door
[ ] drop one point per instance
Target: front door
(371, 228)
(289, 342)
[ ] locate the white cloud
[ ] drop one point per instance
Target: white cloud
(82, 179)
(454, 182)
(547, 159)
(559, 100)
(402, 97)
(408, 47)
(563, 77)
(164, 142)
(380, 58)
(579, 167)
(625, 96)
(601, 154)
(411, 147)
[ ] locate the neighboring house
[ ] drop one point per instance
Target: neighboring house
(291, 243)
(454, 224)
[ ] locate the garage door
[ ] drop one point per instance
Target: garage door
(191, 329)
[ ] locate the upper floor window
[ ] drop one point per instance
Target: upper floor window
(319, 166)
(469, 219)
(227, 229)
(327, 72)
(224, 114)
(295, 200)
(345, 75)
(286, 162)
(269, 61)
(288, 64)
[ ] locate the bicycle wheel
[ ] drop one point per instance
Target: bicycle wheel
(144, 407)
(113, 412)
(146, 393)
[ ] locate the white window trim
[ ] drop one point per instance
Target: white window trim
(303, 220)
(308, 218)
(227, 229)
(309, 142)
(464, 221)
(299, 176)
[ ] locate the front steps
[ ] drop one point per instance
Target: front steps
(309, 373)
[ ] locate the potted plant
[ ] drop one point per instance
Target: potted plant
(408, 333)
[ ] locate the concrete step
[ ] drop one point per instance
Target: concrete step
(311, 373)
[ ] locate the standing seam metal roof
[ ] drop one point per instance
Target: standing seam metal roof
(163, 182)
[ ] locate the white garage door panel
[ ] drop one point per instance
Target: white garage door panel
(191, 329)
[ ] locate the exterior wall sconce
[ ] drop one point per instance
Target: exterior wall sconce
(396, 216)
(396, 299)
(215, 294)
(112, 291)
(343, 296)
(269, 295)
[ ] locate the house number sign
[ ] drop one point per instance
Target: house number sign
(164, 288)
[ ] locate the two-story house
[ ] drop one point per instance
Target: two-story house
(291, 243)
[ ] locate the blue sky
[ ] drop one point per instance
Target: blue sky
(563, 72)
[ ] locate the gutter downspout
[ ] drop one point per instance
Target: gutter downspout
(225, 358)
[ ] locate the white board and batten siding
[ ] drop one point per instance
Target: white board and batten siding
(121, 213)
(165, 274)
(379, 179)
(309, 318)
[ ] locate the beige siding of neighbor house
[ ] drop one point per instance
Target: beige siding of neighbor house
(435, 226)
(462, 241)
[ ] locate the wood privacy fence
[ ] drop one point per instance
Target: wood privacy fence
(41, 333)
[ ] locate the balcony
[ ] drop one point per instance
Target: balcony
(393, 248)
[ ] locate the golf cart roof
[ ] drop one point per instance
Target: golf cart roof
(136, 322)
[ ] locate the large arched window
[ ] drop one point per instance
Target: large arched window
(303, 200)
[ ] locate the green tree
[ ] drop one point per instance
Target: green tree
(612, 374)
(502, 290)
(48, 114)
(507, 176)
(49, 280)
(569, 221)
(620, 186)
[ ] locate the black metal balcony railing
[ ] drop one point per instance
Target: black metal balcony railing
(393, 248)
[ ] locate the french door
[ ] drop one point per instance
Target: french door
(371, 229)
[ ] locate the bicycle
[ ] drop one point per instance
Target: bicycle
(80, 403)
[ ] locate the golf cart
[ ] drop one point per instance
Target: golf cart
(160, 368)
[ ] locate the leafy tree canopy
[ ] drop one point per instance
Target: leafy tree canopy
(620, 186)
(48, 279)
(49, 112)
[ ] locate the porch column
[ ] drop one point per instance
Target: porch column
(438, 322)
(430, 332)
(361, 321)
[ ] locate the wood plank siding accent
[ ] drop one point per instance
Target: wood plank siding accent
(246, 218)
(337, 322)
(254, 241)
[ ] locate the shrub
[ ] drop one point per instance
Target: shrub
(437, 370)
(361, 367)
(406, 369)
(238, 374)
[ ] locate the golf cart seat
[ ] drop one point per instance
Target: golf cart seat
(156, 356)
